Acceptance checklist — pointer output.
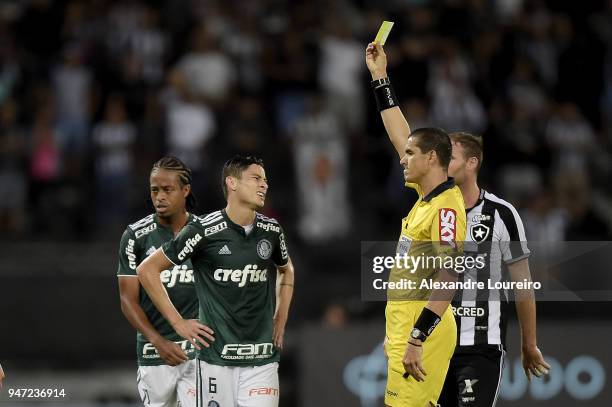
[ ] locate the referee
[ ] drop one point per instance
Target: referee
(495, 231)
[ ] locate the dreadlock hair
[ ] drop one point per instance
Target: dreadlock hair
(235, 166)
(170, 163)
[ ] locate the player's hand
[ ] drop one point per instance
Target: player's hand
(533, 362)
(278, 333)
(194, 332)
(376, 60)
(170, 352)
(413, 362)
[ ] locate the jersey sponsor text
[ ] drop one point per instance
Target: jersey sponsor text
(268, 227)
(189, 245)
(150, 352)
(448, 221)
(215, 229)
(145, 231)
(238, 351)
(129, 252)
(250, 273)
(180, 273)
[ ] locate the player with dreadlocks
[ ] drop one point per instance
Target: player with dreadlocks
(166, 366)
(237, 253)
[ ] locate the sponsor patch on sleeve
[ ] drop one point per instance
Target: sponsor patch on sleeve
(447, 225)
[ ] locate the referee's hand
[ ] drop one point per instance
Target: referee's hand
(413, 361)
(533, 362)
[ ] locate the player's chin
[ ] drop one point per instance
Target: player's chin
(259, 202)
(164, 212)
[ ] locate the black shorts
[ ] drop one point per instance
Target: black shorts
(474, 377)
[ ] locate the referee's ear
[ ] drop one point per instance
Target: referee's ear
(433, 154)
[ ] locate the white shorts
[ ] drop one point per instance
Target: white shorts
(164, 386)
(229, 386)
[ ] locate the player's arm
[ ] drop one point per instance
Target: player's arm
(129, 292)
(395, 123)
(149, 275)
(284, 293)
(284, 287)
(515, 253)
(533, 361)
(1, 376)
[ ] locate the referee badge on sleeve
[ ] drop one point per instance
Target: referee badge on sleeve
(479, 232)
(403, 245)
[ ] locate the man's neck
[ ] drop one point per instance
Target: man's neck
(240, 214)
(470, 192)
(175, 222)
(432, 180)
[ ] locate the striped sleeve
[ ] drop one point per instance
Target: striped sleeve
(513, 241)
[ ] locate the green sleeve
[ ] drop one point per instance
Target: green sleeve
(187, 243)
(280, 256)
(128, 254)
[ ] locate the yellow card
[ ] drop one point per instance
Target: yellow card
(383, 32)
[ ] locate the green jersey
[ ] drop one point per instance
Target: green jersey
(234, 278)
(139, 240)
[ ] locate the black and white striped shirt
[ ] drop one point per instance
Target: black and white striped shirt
(494, 231)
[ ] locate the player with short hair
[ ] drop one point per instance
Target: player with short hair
(420, 333)
(234, 252)
(496, 231)
(166, 366)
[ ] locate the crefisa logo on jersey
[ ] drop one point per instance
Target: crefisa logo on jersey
(178, 273)
(264, 249)
(268, 227)
(129, 251)
(189, 245)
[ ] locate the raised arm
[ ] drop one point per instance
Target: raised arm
(395, 123)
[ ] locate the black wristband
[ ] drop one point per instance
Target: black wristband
(427, 321)
(384, 95)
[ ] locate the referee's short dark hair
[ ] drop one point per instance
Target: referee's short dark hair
(472, 145)
(434, 139)
(235, 166)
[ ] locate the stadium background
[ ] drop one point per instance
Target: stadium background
(92, 93)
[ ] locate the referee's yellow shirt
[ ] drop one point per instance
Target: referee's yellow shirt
(435, 226)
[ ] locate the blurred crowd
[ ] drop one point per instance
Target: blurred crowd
(92, 93)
